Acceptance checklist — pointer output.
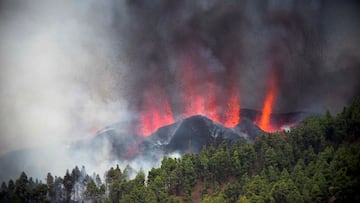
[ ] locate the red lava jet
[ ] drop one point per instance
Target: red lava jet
(212, 104)
(264, 121)
(156, 113)
(232, 116)
(194, 102)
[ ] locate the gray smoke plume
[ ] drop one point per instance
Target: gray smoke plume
(70, 68)
(313, 46)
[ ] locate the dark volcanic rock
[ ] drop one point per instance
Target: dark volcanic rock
(186, 135)
(248, 129)
(190, 135)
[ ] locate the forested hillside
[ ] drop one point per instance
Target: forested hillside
(318, 161)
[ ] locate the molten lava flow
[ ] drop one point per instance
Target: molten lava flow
(232, 114)
(156, 113)
(264, 122)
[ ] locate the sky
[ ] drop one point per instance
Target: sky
(70, 68)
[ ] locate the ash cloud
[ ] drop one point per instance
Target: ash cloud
(313, 46)
(70, 68)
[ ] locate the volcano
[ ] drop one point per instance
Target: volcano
(195, 132)
(188, 135)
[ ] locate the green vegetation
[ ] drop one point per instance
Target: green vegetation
(318, 161)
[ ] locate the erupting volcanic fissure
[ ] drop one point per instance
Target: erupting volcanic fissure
(197, 98)
(200, 92)
(205, 99)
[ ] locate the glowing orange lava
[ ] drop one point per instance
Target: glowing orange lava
(156, 113)
(194, 102)
(232, 115)
(199, 96)
(203, 99)
(264, 122)
(212, 103)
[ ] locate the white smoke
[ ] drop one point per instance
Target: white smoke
(57, 81)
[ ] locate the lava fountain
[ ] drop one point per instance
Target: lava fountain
(200, 99)
(156, 112)
(264, 121)
(200, 95)
(232, 115)
(194, 101)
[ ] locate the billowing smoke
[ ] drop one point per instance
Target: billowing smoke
(312, 45)
(58, 81)
(70, 68)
